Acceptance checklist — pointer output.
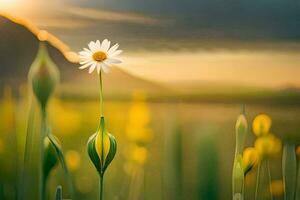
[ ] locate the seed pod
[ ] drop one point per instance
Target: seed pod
(102, 148)
(50, 157)
(43, 75)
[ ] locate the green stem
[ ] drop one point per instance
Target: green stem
(42, 136)
(269, 179)
(101, 178)
(257, 179)
(101, 93)
(101, 175)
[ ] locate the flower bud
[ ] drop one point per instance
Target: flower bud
(50, 157)
(43, 75)
(261, 125)
(102, 148)
(241, 128)
(250, 159)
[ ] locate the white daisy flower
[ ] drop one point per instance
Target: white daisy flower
(99, 56)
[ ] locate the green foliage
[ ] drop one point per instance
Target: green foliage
(28, 187)
(50, 157)
(208, 166)
(289, 171)
(173, 162)
(56, 144)
(263, 181)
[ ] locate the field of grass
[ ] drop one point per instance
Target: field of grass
(188, 148)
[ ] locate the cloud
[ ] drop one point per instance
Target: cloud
(105, 15)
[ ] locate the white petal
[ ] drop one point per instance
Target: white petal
(92, 46)
(105, 68)
(85, 61)
(116, 53)
(82, 58)
(92, 68)
(84, 53)
(105, 45)
(97, 46)
(113, 49)
(85, 49)
(86, 65)
(112, 61)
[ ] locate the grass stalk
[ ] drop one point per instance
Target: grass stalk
(269, 178)
(289, 171)
(27, 153)
(263, 181)
(42, 149)
(257, 180)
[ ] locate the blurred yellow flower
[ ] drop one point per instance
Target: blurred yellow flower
(139, 155)
(137, 129)
(261, 125)
(73, 160)
(268, 146)
(250, 159)
(277, 187)
(66, 120)
(298, 151)
(8, 109)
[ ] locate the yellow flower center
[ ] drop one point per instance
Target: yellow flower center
(99, 56)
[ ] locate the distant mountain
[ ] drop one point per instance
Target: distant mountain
(18, 48)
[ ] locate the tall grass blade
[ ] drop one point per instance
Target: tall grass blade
(263, 182)
(289, 171)
(208, 170)
(25, 191)
(173, 163)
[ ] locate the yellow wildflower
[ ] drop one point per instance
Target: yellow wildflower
(261, 125)
(250, 159)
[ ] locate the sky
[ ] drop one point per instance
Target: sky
(253, 42)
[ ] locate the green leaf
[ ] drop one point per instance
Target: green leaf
(61, 158)
(50, 157)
